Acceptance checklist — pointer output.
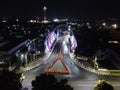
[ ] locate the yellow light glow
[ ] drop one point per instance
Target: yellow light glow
(115, 26)
(113, 42)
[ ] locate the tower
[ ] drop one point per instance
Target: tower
(44, 13)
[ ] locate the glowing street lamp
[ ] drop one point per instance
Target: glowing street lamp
(104, 24)
(44, 8)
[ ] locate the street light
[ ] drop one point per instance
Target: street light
(96, 66)
(95, 63)
(114, 26)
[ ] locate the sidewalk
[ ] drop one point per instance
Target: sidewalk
(85, 65)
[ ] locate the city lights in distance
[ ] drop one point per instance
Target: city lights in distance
(104, 24)
(56, 20)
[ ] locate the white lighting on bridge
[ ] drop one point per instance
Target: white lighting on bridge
(69, 27)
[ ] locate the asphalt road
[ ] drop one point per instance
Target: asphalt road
(75, 71)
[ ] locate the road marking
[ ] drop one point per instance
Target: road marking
(85, 85)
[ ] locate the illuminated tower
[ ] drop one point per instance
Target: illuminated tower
(44, 12)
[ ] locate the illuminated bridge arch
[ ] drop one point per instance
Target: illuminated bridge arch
(52, 36)
(62, 26)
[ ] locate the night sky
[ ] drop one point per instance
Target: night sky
(61, 8)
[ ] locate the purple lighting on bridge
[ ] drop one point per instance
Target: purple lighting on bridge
(73, 43)
(50, 40)
(53, 36)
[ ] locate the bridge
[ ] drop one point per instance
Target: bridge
(60, 42)
(58, 61)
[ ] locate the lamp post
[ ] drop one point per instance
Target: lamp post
(96, 66)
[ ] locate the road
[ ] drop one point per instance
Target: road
(115, 58)
(75, 72)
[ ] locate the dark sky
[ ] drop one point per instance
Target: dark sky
(61, 8)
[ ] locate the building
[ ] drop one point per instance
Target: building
(9, 50)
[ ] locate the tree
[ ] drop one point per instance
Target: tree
(103, 85)
(49, 82)
(9, 81)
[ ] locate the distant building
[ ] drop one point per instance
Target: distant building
(9, 49)
(45, 15)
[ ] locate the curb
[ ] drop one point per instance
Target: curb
(99, 71)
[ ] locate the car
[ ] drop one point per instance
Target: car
(72, 62)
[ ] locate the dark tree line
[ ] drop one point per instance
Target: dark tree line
(103, 85)
(49, 82)
(9, 80)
